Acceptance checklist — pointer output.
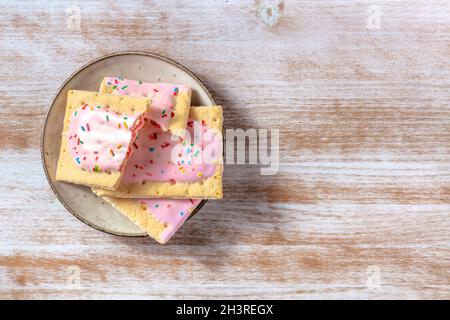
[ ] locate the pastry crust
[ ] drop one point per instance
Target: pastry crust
(67, 170)
(160, 227)
(209, 188)
(138, 215)
(181, 107)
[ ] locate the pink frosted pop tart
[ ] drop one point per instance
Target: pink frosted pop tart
(160, 218)
(167, 166)
(170, 102)
(98, 134)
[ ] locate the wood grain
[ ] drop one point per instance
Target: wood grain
(364, 122)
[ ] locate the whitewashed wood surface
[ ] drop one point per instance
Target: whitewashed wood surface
(360, 207)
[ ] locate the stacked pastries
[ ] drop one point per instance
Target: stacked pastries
(144, 149)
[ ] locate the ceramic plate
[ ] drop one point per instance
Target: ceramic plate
(79, 200)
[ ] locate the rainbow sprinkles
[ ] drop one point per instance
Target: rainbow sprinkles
(88, 137)
(100, 149)
(143, 149)
(170, 102)
(162, 166)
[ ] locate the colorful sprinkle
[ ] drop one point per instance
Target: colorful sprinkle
(76, 112)
(119, 146)
(175, 91)
(125, 125)
(124, 87)
(196, 153)
(87, 126)
(135, 145)
(78, 160)
(156, 205)
(151, 149)
(165, 145)
(97, 168)
(82, 128)
(181, 213)
(112, 152)
(200, 174)
(107, 118)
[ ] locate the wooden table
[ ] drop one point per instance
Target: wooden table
(360, 206)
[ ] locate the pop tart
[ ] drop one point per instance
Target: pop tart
(170, 102)
(169, 166)
(160, 218)
(98, 134)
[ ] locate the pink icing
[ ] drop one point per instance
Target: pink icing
(163, 96)
(99, 138)
(171, 212)
(158, 158)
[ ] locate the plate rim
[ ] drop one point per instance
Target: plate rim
(58, 92)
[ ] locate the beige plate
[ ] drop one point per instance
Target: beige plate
(79, 200)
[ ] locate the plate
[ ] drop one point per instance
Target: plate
(148, 67)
